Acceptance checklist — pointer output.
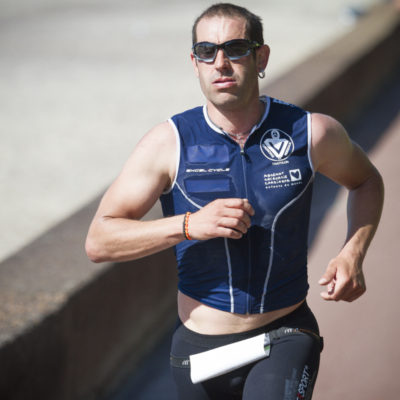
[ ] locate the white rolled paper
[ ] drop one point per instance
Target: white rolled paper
(221, 360)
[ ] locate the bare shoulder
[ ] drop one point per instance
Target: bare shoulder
(154, 154)
(335, 155)
(329, 139)
(159, 142)
(153, 158)
(149, 170)
(160, 136)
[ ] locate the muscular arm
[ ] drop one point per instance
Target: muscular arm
(117, 233)
(335, 156)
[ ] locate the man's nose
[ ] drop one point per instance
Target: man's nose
(221, 59)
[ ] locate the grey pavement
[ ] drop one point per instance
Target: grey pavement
(82, 80)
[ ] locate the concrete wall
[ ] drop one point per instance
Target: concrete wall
(342, 77)
(70, 329)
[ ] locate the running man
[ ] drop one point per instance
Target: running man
(235, 180)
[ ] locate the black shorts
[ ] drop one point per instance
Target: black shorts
(288, 373)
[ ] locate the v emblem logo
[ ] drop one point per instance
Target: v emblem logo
(277, 149)
(276, 145)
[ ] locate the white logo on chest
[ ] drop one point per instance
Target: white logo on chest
(276, 145)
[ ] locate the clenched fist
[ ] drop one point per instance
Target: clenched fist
(230, 218)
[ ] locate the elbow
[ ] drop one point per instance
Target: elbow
(379, 186)
(373, 182)
(94, 251)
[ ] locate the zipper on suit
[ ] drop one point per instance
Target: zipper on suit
(244, 157)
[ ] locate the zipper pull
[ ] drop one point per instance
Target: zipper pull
(242, 152)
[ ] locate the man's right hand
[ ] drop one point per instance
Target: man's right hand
(230, 218)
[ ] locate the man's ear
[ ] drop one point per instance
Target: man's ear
(262, 57)
(194, 62)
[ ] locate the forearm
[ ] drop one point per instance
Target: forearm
(364, 208)
(122, 239)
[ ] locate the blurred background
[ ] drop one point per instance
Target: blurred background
(81, 81)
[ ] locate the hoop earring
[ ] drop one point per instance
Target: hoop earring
(261, 74)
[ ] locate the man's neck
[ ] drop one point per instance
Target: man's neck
(238, 120)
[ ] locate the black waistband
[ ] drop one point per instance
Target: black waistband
(274, 336)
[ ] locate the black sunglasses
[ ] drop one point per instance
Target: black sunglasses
(233, 49)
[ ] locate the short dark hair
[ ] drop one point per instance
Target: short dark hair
(254, 28)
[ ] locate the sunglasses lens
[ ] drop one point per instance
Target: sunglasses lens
(237, 49)
(233, 49)
(205, 51)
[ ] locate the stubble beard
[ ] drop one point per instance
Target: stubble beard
(232, 100)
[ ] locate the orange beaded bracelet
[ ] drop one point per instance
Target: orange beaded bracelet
(186, 226)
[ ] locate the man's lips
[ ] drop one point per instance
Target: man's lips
(224, 82)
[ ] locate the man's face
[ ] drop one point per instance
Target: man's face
(226, 83)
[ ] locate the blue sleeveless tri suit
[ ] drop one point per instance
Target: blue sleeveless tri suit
(266, 269)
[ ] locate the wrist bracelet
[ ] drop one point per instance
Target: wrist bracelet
(186, 226)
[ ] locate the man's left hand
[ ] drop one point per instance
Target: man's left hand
(343, 281)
